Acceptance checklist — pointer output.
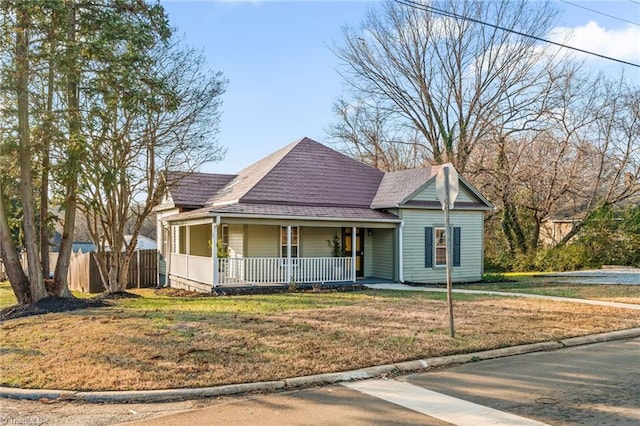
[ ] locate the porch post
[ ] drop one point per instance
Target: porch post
(289, 264)
(354, 246)
(214, 250)
(187, 247)
(167, 256)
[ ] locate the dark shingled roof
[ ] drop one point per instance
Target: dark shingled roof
(192, 190)
(304, 179)
(304, 173)
(397, 186)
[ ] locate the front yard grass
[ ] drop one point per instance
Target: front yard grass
(159, 342)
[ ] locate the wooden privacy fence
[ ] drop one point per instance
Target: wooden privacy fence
(84, 274)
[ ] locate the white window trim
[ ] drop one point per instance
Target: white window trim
(224, 232)
(283, 246)
(436, 246)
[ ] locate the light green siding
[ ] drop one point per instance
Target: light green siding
(382, 255)
(182, 239)
(236, 240)
(200, 235)
(262, 241)
(471, 245)
(429, 194)
(315, 241)
(163, 238)
(368, 253)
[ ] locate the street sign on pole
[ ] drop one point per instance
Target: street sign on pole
(452, 179)
(447, 191)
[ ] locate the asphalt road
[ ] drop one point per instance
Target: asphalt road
(588, 385)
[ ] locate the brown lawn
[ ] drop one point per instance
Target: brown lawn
(159, 342)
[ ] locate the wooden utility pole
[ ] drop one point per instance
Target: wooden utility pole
(447, 233)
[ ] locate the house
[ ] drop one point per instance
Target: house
(277, 221)
(142, 243)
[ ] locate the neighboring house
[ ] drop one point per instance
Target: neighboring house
(276, 221)
(143, 243)
(554, 229)
(76, 246)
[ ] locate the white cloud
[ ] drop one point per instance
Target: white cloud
(622, 43)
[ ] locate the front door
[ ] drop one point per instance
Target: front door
(347, 243)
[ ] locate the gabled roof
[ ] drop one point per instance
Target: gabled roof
(397, 186)
(304, 173)
(308, 179)
(192, 190)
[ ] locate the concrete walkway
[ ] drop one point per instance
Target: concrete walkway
(404, 287)
(610, 275)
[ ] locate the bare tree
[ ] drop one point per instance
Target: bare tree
(171, 126)
(450, 80)
(583, 156)
(611, 144)
(526, 123)
(368, 133)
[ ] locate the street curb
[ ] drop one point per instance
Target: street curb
(165, 395)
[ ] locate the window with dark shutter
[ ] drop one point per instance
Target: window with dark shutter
(428, 247)
(456, 246)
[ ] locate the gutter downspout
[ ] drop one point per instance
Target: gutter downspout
(400, 250)
(214, 251)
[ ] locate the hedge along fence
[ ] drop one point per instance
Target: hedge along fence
(84, 274)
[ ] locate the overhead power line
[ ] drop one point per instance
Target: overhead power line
(601, 13)
(427, 8)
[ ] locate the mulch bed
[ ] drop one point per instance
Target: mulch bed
(52, 305)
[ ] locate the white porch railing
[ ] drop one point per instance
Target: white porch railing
(275, 270)
(262, 270)
(196, 268)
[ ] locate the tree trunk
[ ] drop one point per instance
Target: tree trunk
(10, 258)
(123, 279)
(38, 290)
(574, 231)
(64, 256)
(44, 190)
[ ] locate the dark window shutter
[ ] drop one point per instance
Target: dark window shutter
(456, 246)
(428, 247)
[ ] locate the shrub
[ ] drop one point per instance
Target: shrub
(494, 278)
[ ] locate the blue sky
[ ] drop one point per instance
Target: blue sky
(282, 73)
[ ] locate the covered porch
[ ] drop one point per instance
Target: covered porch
(252, 251)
